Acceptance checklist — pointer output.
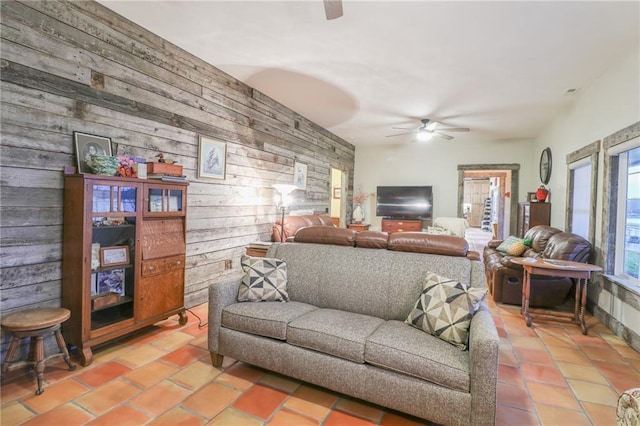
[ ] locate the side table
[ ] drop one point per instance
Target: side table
(556, 268)
(359, 226)
(256, 252)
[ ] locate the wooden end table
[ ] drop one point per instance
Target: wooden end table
(359, 226)
(556, 268)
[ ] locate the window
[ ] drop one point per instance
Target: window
(582, 191)
(581, 200)
(627, 257)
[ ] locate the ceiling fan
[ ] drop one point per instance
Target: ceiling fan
(333, 9)
(429, 129)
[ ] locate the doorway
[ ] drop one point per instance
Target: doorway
(502, 195)
(337, 206)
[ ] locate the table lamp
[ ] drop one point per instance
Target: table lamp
(285, 191)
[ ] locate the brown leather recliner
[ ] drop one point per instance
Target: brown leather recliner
(504, 278)
(293, 223)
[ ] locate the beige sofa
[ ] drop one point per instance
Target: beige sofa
(343, 327)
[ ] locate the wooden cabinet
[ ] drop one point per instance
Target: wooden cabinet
(532, 214)
(104, 216)
(393, 225)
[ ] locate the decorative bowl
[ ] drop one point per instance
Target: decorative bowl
(104, 165)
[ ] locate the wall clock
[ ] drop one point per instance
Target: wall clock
(545, 165)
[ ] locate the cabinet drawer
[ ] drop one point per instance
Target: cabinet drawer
(160, 266)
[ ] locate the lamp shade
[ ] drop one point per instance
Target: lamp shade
(284, 190)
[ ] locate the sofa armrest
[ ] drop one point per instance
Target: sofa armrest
(221, 295)
(494, 243)
(483, 355)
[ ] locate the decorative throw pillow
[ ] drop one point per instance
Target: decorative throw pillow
(445, 308)
(264, 280)
(438, 230)
(512, 245)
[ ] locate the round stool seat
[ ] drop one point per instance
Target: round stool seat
(34, 319)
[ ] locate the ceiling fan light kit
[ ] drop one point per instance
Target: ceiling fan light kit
(430, 128)
(424, 136)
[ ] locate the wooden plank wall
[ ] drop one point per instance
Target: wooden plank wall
(69, 66)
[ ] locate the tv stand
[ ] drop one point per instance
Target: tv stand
(401, 225)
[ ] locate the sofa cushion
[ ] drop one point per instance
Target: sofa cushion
(264, 279)
(372, 239)
(445, 309)
(269, 319)
(339, 333)
(399, 347)
(421, 242)
(512, 245)
(325, 235)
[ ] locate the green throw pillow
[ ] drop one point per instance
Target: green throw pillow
(512, 245)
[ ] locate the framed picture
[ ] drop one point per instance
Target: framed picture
(88, 145)
(114, 256)
(111, 281)
(337, 192)
(212, 158)
(531, 197)
(300, 175)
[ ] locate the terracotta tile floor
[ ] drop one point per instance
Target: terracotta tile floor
(549, 374)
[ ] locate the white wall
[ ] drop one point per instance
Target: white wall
(433, 163)
(608, 105)
(611, 103)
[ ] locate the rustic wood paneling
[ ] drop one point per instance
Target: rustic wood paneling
(76, 66)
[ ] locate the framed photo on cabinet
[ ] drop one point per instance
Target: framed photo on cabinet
(114, 256)
(88, 145)
(212, 158)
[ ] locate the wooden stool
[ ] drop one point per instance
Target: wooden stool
(35, 323)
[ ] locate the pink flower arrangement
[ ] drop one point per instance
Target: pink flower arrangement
(125, 167)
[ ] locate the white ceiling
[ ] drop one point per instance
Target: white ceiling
(500, 68)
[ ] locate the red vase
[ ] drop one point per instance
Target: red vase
(542, 193)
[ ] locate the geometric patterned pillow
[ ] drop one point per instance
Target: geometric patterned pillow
(264, 280)
(445, 308)
(512, 245)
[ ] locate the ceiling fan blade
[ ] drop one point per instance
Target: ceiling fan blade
(404, 128)
(454, 129)
(399, 134)
(443, 135)
(333, 9)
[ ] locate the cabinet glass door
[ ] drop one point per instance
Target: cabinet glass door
(113, 240)
(164, 200)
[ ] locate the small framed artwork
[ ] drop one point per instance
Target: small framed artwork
(300, 175)
(212, 158)
(531, 197)
(114, 256)
(88, 145)
(111, 281)
(337, 192)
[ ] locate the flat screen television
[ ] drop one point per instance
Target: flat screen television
(404, 202)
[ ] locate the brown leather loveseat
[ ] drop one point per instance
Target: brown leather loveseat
(293, 223)
(504, 278)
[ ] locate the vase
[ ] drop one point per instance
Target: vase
(542, 193)
(358, 214)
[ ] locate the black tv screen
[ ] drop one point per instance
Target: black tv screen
(404, 202)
